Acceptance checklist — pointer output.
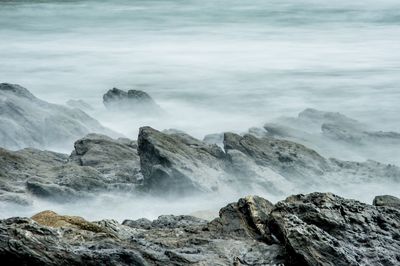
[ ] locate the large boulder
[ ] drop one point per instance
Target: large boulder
(98, 163)
(26, 121)
(180, 163)
(137, 100)
(324, 229)
(387, 201)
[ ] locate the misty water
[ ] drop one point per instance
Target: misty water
(213, 66)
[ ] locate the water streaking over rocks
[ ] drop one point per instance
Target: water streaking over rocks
(240, 63)
(171, 132)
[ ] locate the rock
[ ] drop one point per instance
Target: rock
(387, 200)
(166, 221)
(336, 135)
(52, 239)
(324, 229)
(117, 160)
(246, 218)
(285, 157)
(137, 100)
(52, 219)
(80, 104)
(313, 229)
(26, 121)
(180, 164)
(97, 164)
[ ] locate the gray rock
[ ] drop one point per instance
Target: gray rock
(97, 164)
(387, 200)
(285, 157)
(336, 135)
(313, 229)
(137, 100)
(116, 159)
(246, 218)
(180, 164)
(324, 229)
(52, 239)
(26, 121)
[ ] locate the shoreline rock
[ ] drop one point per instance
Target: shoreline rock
(312, 229)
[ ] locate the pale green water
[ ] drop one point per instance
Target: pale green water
(215, 65)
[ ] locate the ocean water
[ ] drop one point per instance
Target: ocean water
(213, 66)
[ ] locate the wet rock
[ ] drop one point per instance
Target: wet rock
(336, 135)
(116, 159)
(180, 164)
(26, 121)
(97, 164)
(287, 158)
(52, 239)
(324, 229)
(246, 218)
(387, 200)
(137, 100)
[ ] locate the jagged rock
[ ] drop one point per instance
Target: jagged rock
(387, 200)
(336, 135)
(170, 240)
(97, 164)
(287, 158)
(181, 164)
(166, 221)
(116, 159)
(137, 100)
(246, 218)
(26, 121)
(324, 229)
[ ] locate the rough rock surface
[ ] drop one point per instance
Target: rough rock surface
(313, 229)
(324, 229)
(295, 164)
(336, 135)
(169, 240)
(179, 162)
(26, 121)
(387, 200)
(98, 163)
(137, 100)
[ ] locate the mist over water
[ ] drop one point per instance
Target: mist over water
(213, 66)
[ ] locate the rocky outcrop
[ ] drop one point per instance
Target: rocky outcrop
(98, 163)
(387, 201)
(336, 135)
(26, 121)
(246, 218)
(52, 239)
(313, 229)
(180, 163)
(324, 229)
(136, 100)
